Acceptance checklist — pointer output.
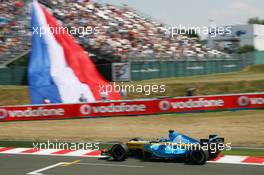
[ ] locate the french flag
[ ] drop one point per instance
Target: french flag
(59, 69)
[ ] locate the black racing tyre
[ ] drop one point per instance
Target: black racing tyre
(199, 157)
(119, 152)
(137, 139)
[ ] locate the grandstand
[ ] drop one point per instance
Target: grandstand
(123, 36)
(126, 35)
(14, 31)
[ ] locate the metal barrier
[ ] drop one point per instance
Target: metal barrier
(13, 76)
(164, 69)
(157, 68)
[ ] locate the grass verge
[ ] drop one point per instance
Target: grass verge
(245, 152)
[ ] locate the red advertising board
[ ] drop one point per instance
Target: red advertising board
(135, 107)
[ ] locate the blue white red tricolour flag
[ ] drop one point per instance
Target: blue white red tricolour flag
(59, 68)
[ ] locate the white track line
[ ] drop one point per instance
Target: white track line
(39, 171)
(110, 165)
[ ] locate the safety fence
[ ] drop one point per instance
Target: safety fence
(13, 76)
(135, 107)
(157, 68)
(164, 69)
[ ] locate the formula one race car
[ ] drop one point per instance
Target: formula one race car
(177, 146)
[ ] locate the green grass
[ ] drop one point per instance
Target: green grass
(14, 95)
(245, 152)
(16, 144)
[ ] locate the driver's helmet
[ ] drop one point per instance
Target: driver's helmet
(171, 131)
(172, 135)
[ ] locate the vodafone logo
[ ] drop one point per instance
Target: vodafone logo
(190, 103)
(112, 108)
(3, 114)
(243, 101)
(164, 105)
(86, 109)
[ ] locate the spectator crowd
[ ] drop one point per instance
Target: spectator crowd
(14, 28)
(122, 33)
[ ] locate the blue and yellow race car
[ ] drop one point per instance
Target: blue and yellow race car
(176, 146)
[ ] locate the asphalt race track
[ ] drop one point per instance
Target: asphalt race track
(60, 165)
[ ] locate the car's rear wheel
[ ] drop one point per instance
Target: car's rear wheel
(119, 152)
(199, 157)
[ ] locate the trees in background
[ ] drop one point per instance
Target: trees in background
(255, 20)
(246, 49)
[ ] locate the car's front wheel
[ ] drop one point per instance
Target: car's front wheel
(119, 152)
